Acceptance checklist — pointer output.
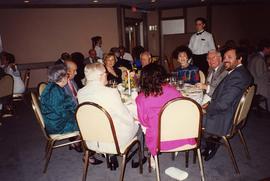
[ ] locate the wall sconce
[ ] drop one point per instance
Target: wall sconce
(152, 27)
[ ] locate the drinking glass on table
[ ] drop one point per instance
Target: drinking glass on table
(174, 78)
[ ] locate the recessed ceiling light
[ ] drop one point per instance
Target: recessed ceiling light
(26, 1)
(95, 1)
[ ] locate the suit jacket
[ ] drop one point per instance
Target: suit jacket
(220, 112)
(69, 91)
(258, 69)
(123, 63)
(213, 79)
(110, 100)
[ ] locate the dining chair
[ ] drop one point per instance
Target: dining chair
(51, 139)
(238, 123)
(96, 125)
(26, 78)
(180, 118)
(40, 88)
(6, 90)
(202, 77)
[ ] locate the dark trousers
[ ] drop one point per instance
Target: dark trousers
(201, 62)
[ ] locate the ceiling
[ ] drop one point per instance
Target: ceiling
(140, 4)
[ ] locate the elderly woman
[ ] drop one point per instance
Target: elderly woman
(57, 107)
(114, 74)
(155, 93)
(186, 72)
(109, 98)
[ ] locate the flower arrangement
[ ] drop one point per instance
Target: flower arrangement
(130, 80)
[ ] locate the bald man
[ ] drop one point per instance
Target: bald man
(145, 58)
(71, 88)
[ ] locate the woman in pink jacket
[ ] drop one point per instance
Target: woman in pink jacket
(155, 93)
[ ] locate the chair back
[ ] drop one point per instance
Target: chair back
(26, 78)
(243, 108)
(37, 111)
(202, 77)
(41, 87)
(95, 124)
(180, 118)
(7, 85)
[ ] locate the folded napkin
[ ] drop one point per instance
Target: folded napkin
(176, 173)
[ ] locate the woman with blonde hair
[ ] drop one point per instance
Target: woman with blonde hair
(114, 74)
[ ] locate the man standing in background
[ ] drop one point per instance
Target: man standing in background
(200, 44)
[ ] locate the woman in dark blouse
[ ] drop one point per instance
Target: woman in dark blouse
(114, 74)
(186, 71)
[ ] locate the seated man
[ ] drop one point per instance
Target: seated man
(120, 62)
(71, 87)
(109, 98)
(225, 99)
(64, 56)
(92, 57)
(216, 72)
(145, 58)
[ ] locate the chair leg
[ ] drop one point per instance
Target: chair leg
(194, 157)
(123, 168)
(244, 143)
(187, 158)
(107, 160)
(140, 157)
(149, 162)
(200, 163)
(229, 148)
(173, 156)
(86, 164)
(47, 149)
(157, 167)
(48, 155)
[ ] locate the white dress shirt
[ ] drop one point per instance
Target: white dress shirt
(201, 43)
(110, 100)
(127, 56)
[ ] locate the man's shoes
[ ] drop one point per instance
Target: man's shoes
(210, 152)
(113, 162)
(94, 161)
(136, 164)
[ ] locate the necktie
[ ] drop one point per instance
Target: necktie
(213, 75)
(72, 88)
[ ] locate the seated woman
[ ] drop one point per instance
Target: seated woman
(186, 72)
(8, 62)
(114, 74)
(57, 107)
(155, 93)
(109, 98)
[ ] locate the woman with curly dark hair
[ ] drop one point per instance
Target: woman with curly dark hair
(186, 72)
(155, 93)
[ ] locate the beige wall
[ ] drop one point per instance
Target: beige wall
(37, 34)
(240, 22)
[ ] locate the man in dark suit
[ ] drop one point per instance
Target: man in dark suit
(219, 113)
(64, 56)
